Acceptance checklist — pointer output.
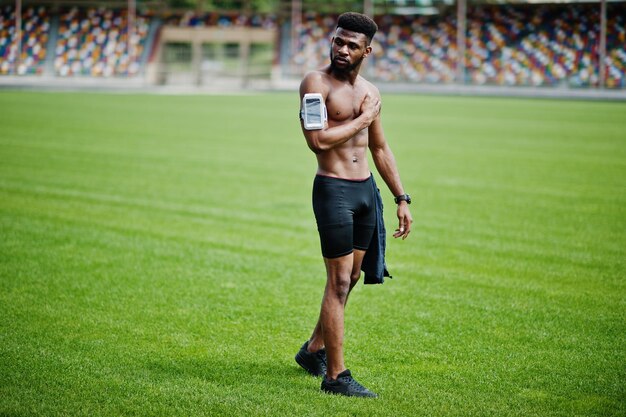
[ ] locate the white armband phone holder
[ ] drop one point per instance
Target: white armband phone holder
(313, 111)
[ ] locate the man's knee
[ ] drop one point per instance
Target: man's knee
(339, 285)
(339, 275)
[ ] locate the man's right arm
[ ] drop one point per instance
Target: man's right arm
(330, 137)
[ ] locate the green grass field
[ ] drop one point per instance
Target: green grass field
(158, 256)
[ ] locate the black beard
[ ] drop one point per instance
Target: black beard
(347, 69)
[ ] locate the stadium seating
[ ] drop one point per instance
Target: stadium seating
(538, 45)
(312, 40)
(417, 49)
(95, 42)
(535, 45)
(35, 27)
(215, 19)
(514, 44)
(616, 47)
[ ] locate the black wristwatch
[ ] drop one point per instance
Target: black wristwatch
(403, 197)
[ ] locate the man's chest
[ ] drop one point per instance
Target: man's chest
(344, 103)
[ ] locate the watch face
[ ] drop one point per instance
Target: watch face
(404, 197)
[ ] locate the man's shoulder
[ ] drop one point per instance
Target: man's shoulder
(318, 79)
(319, 75)
(371, 88)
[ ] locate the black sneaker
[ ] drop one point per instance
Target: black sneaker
(312, 362)
(346, 385)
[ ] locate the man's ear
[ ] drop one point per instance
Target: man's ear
(368, 50)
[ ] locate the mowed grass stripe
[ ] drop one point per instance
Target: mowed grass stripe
(168, 223)
(159, 257)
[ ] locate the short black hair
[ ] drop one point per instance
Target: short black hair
(357, 22)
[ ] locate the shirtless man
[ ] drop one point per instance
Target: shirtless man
(343, 192)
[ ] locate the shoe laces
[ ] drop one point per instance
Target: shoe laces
(353, 383)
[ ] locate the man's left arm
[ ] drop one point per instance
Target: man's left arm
(386, 165)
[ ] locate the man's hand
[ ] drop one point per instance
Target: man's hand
(405, 220)
(370, 107)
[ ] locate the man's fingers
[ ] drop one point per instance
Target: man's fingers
(402, 232)
(403, 229)
(404, 223)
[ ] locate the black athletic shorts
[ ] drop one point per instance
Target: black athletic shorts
(345, 211)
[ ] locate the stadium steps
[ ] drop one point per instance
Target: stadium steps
(51, 46)
(155, 24)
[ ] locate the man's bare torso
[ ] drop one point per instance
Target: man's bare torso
(343, 103)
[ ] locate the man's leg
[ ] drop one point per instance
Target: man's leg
(317, 338)
(342, 275)
(332, 312)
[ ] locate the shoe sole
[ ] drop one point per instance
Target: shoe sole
(328, 391)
